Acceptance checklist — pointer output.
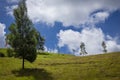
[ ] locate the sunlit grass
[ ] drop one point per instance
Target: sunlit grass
(63, 67)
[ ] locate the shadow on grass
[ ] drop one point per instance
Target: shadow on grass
(67, 63)
(38, 74)
(55, 64)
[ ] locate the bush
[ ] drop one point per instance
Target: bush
(1, 54)
(10, 52)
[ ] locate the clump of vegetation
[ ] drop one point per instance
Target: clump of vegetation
(3, 51)
(10, 52)
(2, 54)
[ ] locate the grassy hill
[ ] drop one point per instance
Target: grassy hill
(3, 51)
(63, 67)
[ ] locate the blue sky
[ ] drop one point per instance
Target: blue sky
(67, 23)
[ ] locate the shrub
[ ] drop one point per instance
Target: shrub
(10, 52)
(1, 54)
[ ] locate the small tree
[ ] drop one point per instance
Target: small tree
(73, 51)
(82, 47)
(104, 47)
(41, 41)
(23, 37)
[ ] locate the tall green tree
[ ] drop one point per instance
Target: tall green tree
(23, 37)
(104, 47)
(82, 47)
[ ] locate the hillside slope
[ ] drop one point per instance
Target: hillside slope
(63, 67)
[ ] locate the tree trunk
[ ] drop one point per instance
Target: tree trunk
(23, 63)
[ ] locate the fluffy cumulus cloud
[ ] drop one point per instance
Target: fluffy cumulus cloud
(92, 37)
(2, 35)
(98, 17)
(69, 12)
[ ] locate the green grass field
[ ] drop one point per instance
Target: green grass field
(62, 67)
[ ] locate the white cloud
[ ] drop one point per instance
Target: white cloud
(92, 37)
(101, 15)
(10, 9)
(113, 46)
(98, 17)
(69, 12)
(2, 35)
